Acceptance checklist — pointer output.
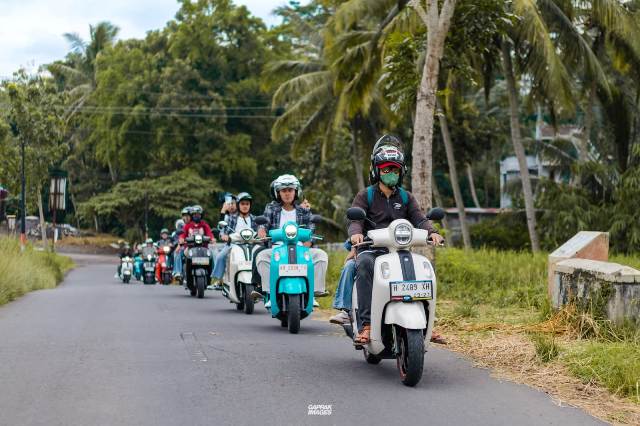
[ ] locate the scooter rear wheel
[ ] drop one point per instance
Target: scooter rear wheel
(126, 279)
(293, 313)
(410, 359)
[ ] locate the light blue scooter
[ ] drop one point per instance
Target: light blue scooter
(292, 273)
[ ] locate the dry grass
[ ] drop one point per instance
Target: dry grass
(509, 350)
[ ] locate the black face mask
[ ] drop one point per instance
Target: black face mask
(196, 219)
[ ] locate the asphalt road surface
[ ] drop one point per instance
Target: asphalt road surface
(97, 352)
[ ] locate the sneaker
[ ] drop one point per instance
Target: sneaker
(210, 287)
(256, 296)
(116, 276)
(315, 304)
(268, 305)
(340, 318)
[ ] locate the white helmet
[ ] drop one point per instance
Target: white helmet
(287, 181)
(179, 224)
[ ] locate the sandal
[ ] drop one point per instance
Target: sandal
(438, 338)
(364, 336)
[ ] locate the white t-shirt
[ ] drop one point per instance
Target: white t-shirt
(287, 216)
(243, 223)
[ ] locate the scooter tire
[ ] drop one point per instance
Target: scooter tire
(370, 358)
(410, 360)
(126, 279)
(248, 300)
(193, 291)
(293, 313)
(201, 285)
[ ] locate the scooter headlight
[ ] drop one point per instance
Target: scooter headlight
(246, 234)
(165, 249)
(148, 257)
(291, 231)
(403, 234)
(198, 239)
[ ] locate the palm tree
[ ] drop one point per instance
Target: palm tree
(79, 71)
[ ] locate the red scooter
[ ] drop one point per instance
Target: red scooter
(163, 265)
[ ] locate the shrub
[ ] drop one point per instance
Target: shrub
(507, 231)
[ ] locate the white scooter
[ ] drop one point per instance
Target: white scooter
(236, 282)
(403, 304)
(126, 269)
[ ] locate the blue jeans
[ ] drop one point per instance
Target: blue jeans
(221, 262)
(177, 262)
(342, 298)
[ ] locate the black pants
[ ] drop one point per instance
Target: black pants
(256, 279)
(365, 263)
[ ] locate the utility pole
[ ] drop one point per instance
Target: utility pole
(23, 184)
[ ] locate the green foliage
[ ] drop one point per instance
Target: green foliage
(22, 272)
(547, 349)
(500, 278)
(507, 231)
(466, 309)
(164, 197)
(614, 365)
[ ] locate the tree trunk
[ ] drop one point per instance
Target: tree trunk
(472, 186)
(453, 174)
(43, 224)
(438, 198)
(516, 138)
(357, 158)
(437, 24)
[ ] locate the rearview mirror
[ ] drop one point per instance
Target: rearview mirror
(356, 213)
(436, 213)
(261, 220)
(315, 218)
(222, 225)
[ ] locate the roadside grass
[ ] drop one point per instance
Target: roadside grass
(21, 273)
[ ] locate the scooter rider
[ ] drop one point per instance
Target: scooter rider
(384, 202)
(198, 226)
(124, 252)
(236, 222)
(287, 190)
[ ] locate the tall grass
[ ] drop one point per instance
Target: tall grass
(499, 278)
(32, 270)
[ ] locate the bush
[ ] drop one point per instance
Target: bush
(507, 231)
(546, 347)
(21, 272)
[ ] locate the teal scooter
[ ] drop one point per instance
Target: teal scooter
(292, 274)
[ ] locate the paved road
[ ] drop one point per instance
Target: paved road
(97, 352)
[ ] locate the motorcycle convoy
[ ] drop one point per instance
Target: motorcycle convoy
(396, 322)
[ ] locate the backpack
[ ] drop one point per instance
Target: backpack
(403, 195)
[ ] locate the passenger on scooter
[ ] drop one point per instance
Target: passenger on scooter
(229, 207)
(178, 236)
(344, 291)
(124, 252)
(287, 190)
(384, 202)
(236, 222)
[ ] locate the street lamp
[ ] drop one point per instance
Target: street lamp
(57, 196)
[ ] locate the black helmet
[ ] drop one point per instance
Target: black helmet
(244, 196)
(388, 149)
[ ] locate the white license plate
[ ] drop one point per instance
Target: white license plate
(126, 272)
(293, 270)
(200, 261)
(411, 290)
(244, 265)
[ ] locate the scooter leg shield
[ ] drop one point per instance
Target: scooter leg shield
(407, 315)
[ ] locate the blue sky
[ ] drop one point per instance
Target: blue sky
(31, 30)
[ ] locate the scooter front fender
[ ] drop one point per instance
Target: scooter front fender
(407, 315)
(292, 285)
(244, 277)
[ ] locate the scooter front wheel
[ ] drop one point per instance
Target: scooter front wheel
(201, 285)
(293, 313)
(410, 358)
(370, 358)
(248, 300)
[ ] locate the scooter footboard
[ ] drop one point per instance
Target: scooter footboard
(407, 315)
